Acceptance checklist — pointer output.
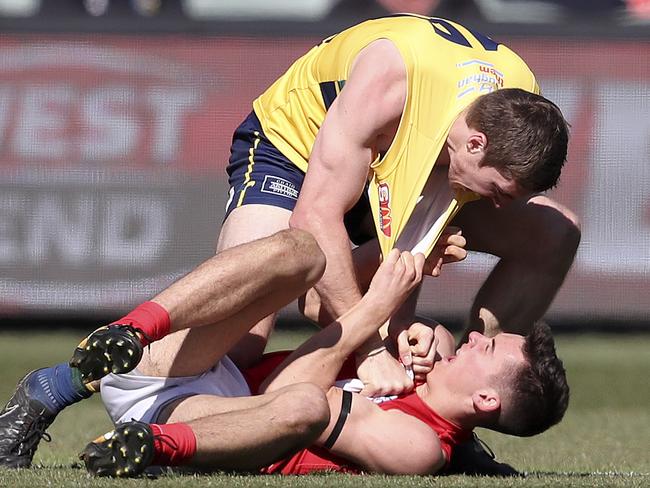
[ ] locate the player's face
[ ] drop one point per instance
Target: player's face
(466, 148)
(466, 175)
(481, 358)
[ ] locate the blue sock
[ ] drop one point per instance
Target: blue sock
(58, 387)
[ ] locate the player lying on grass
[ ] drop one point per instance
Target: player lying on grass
(508, 383)
(298, 410)
(235, 289)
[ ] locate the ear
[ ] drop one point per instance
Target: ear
(476, 143)
(486, 400)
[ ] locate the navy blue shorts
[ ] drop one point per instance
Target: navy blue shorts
(258, 173)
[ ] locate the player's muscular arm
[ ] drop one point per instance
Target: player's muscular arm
(366, 259)
(450, 248)
(366, 109)
(320, 358)
(380, 441)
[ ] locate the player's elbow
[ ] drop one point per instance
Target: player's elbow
(300, 220)
(316, 219)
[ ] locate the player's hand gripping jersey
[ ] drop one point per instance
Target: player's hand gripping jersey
(448, 66)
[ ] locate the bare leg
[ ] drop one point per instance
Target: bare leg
(222, 298)
(252, 432)
(243, 225)
(537, 241)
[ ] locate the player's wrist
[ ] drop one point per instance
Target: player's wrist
(372, 347)
(371, 351)
(376, 311)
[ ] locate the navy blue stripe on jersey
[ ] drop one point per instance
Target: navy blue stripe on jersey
(328, 90)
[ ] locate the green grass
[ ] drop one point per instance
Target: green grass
(604, 440)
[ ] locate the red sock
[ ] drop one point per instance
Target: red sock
(152, 319)
(173, 445)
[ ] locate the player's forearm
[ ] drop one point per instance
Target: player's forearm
(405, 315)
(366, 259)
(400, 320)
(337, 288)
(320, 358)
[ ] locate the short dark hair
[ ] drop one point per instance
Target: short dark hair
(537, 394)
(527, 136)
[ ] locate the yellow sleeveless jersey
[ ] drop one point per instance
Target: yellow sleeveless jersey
(448, 66)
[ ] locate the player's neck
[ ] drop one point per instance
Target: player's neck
(447, 403)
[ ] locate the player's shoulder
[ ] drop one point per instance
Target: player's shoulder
(429, 456)
(381, 58)
(378, 73)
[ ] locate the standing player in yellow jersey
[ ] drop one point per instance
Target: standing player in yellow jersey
(392, 112)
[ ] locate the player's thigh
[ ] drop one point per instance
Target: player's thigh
(272, 425)
(202, 406)
(243, 224)
(300, 395)
(518, 228)
(251, 222)
(261, 277)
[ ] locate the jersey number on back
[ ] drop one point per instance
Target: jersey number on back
(454, 35)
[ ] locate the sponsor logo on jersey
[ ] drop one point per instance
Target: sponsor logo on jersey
(482, 77)
(279, 186)
(384, 208)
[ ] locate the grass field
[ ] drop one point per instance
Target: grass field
(603, 441)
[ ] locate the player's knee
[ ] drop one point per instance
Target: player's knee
(307, 413)
(561, 226)
(572, 233)
(554, 232)
(302, 250)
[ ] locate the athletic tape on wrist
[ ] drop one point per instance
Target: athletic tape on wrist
(346, 405)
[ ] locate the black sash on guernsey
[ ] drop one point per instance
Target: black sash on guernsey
(346, 405)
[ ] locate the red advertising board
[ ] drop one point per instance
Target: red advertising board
(112, 156)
